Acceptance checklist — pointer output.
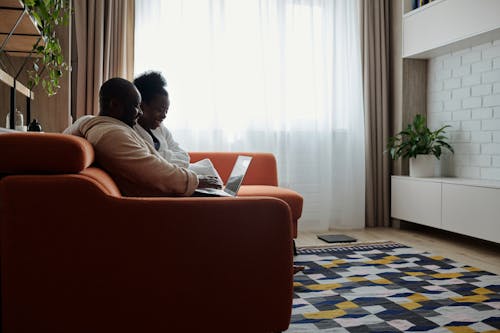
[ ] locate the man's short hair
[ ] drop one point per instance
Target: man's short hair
(113, 88)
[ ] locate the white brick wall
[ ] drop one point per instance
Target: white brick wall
(464, 92)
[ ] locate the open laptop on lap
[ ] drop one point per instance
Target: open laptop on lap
(233, 183)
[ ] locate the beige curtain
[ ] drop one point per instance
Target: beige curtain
(375, 20)
(104, 31)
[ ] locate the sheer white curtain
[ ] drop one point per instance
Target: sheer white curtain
(281, 76)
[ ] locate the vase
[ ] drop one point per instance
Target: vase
(423, 166)
(34, 126)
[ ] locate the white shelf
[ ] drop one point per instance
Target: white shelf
(444, 26)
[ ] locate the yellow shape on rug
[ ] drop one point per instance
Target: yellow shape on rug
(472, 299)
(415, 273)
(326, 286)
(472, 269)
(482, 291)
(410, 305)
(346, 305)
(334, 263)
(446, 275)
(329, 314)
(384, 261)
(381, 281)
(418, 297)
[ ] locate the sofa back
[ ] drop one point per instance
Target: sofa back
(44, 153)
(40, 154)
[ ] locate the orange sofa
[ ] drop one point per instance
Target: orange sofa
(76, 256)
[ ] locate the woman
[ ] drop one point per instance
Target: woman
(154, 105)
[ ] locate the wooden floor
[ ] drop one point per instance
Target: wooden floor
(467, 250)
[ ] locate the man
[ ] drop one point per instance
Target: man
(134, 164)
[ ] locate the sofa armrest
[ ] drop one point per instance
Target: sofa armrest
(84, 261)
(262, 170)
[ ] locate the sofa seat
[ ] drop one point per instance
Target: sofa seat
(292, 198)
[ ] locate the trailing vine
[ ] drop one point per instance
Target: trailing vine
(49, 65)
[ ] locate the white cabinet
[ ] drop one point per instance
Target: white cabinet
(443, 26)
(416, 200)
(465, 206)
(472, 210)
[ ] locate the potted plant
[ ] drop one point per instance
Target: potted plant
(49, 66)
(421, 145)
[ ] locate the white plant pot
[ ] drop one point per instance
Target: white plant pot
(423, 166)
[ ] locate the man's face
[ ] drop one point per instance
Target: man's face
(131, 107)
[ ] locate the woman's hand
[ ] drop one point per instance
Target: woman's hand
(208, 182)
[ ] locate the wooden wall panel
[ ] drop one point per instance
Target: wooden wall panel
(414, 94)
(396, 66)
(53, 112)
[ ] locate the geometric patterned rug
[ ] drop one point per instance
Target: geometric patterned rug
(389, 287)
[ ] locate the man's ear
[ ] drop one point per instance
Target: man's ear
(116, 108)
(114, 104)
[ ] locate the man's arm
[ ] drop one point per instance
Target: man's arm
(74, 129)
(129, 160)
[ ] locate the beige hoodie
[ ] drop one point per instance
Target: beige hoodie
(134, 164)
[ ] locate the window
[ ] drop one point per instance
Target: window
(282, 76)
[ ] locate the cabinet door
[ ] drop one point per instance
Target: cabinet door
(416, 200)
(472, 210)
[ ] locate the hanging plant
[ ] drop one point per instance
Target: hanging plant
(49, 66)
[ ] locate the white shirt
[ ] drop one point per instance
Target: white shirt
(173, 153)
(169, 148)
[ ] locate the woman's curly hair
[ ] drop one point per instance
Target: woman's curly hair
(150, 84)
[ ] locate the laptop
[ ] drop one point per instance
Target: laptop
(233, 183)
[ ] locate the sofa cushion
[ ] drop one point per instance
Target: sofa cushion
(292, 198)
(44, 153)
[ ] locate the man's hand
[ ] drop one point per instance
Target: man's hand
(209, 182)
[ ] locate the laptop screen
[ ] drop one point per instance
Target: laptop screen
(236, 178)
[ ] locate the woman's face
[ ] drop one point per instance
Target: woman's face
(154, 112)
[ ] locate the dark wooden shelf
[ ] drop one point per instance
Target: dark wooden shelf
(20, 45)
(16, 4)
(9, 17)
(24, 36)
(18, 34)
(9, 80)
